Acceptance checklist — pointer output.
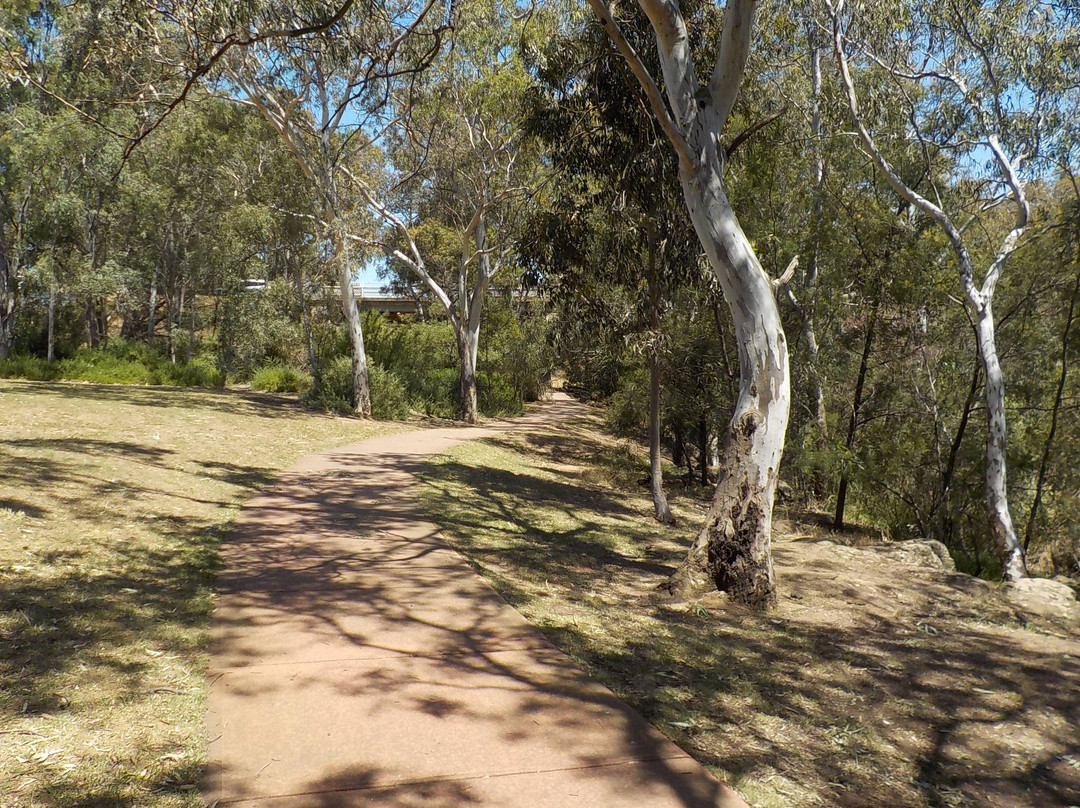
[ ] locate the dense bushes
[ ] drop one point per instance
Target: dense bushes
(280, 379)
(413, 367)
(120, 362)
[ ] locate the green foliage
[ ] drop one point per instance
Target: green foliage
(497, 395)
(389, 401)
(334, 393)
(335, 389)
(119, 363)
(628, 406)
(513, 363)
(280, 379)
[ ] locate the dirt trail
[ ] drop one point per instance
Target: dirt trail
(358, 660)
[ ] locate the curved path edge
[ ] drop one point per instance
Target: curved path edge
(357, 660)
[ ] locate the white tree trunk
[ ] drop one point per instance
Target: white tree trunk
(732, 552)
(152, 308)
(468, 338)
(50, 350)
(997, 501)
(361, 390)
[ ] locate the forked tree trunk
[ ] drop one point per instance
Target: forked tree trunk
(979, 299)
(732, 552)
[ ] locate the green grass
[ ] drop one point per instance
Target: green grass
(113, 501)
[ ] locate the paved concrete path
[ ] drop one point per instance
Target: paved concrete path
(357, 660)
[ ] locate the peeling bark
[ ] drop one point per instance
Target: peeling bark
(732, 553)
(361, 390)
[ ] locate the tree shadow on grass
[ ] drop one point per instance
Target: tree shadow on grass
(881, 708)
(243, 402)
(75, 618)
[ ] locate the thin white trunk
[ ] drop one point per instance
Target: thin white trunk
(661, 509)
(1002, 530)
(152, 319)
(810, 278)
(50, 352)
(361, 389)
(980, 302)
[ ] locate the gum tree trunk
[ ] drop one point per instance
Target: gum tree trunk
(7, 305)
(361, 389)
(656, 472)
(979, 297)
(732, 552)
(151, 319)
(1002, 530)
(468, 340)
(50, 349)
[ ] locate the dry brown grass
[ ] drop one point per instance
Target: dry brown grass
(872, 684)
(113, 501)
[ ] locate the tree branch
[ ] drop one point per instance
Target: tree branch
(652, 92)
(730, 65)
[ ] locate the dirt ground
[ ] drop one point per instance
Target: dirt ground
(875, 682)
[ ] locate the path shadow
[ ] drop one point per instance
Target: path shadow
(337, 592)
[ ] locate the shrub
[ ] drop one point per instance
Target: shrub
(34, 368)
(119, 363)
(496, 394)
(199, 372)
(335, 390)
(435, 392)
(389, 401)
(280, 379)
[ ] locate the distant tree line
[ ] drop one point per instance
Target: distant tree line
(792, 231)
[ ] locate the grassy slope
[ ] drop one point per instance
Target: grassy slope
(873, 683)
(112, 503)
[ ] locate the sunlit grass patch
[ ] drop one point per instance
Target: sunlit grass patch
(113, 502)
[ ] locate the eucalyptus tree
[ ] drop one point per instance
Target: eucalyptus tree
(325, 89)
(462, 171)
(616, 238)
(732, 552)
(983, 83)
